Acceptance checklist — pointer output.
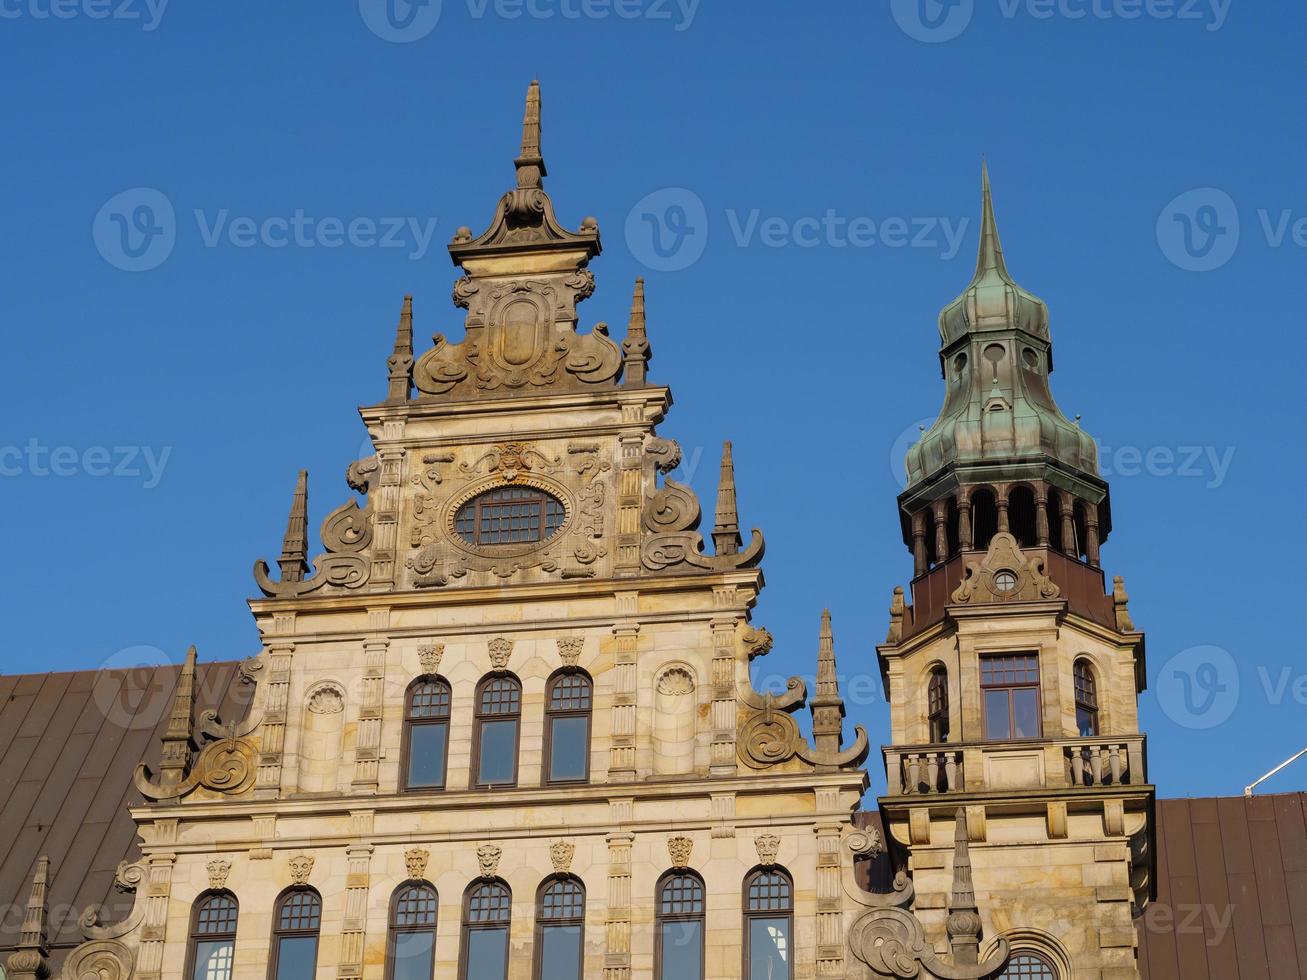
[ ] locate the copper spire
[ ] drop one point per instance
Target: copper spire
(963, 916)
(29, 960)
(990, 255)
(295, 545)
(177, 744)
(726, 528)
(635, 348)
(827, 705)
(530, 164)
(400, 362)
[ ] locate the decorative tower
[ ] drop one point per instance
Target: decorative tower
(1013, 674)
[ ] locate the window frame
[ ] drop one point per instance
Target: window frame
(749, 914)
(467, 927)
(274, 954)
(1011, 687)
(938, 725)
(406, 741)
(479, 719)
(533, 496)
(194, 937)
(394, 929)
(1040, 959)
(541, 923)
(552, 714)
(661, 918)
(1083, 668)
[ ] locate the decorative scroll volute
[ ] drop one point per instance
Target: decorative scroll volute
(1005, 574)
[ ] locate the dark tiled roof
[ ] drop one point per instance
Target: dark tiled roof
(69, 744)
(1231, 890)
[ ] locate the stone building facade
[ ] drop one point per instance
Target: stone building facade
(502, 726)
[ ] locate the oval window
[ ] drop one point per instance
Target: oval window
(509, 515)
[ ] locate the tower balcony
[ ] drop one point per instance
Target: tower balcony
(1044, 764)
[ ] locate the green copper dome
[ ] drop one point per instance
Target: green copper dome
(996, 358)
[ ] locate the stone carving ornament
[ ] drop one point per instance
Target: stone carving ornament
(501, 650)
(678, 849)
(326, 700)
(1005, 575)
(569, 649)
(768, 846)
(99, 960)
(218, 870)
(415, 862)
(429, 656)
(301, 866)
(676, 681)
(488, 859)
(671, 520)
(561, 854)
(228, 766)
(770, 736)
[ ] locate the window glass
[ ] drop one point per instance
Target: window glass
(508, 516)
(213, 959)
(426, 754)
(1025, 712)
(682, 950)
(498, 752)
(1028, 966)
(487, 954)
(997, 715)
(769, 949)
(569, 740)
(297, 957)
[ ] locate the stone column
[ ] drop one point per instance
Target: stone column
(158, 889)
(367, 751)
(941, 531)
(280, 655)
(1001, 491)
(918, 543)
(830, 912)
(621, 750)
(357, 879)
(630, 487)
(617, 953)
(723, 760)
(1091, 534)
(965, 541)
(1069, 527)
(1041, 516)
(391, 460)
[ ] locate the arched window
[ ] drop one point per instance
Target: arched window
(513, 515)
(937, 705)
(567, 727)
(1086, 699)
(498, 716)
(426, 734)
(487, 911)
(211, 953)
(296, 921)
(678, 953)
(560, 929)
(411, 945)
(768, 925)
(1028, 966)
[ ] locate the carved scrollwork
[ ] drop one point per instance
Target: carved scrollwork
(511, 460)
(93, 927)
(99, 960)
(665, 453)
(768, 739)
(672, 517)
(227, 766)
(444, 366)
(1005, 575)
(890, 942)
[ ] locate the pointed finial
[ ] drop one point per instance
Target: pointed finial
(635, 348)
(963, 916)
(990, 257)
(400, 362)
(726, 528)
(295, 545)
(177, 743)
(530, 164)
(827, 705)
(30, 959)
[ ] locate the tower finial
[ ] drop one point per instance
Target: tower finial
(990, 257)
(530, 164)
(636, 351)
(827, 704)
(400, 362)
(963, 916)
(726, 528)
(177, 743)
(30, 960)
(295, 545)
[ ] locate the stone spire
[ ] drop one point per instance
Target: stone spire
(963, 916)
(636, 352)
(530, 164)
(726, 528)
(400, 362)
(177, 742)
(827, 705)
(295, 545)
(30, 960)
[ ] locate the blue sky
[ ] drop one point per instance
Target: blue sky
(816, 169)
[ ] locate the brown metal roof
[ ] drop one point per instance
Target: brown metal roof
(1231, 890)
(69, 743)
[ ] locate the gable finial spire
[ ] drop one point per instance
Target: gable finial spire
(726, 528)
(400, 361)
(635, 348)
(177, 743)
(530, 163)
(30, 961)
(827, 704)
(990, 257)
(295, 545)
(963, 915)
